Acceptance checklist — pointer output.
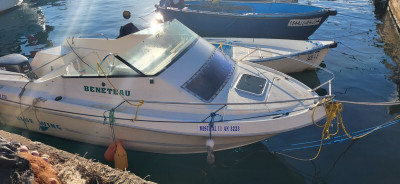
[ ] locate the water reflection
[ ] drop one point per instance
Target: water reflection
(391, 39)
(310, 78)
(53, 3)
(248, 164)
(24, 30)
(380, 8)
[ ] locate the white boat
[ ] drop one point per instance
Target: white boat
(286, 56)
(7, 4)
(268, 1)
(163, 89)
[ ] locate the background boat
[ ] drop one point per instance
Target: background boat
(271, 1)
(247, 19)
(286, 56)
(7, 4)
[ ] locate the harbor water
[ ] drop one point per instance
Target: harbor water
(365, 69)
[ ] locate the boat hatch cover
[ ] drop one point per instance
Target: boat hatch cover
(251, 84)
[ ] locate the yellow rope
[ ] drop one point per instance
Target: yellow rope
(221, 46)
(333, 110)
(141, 102)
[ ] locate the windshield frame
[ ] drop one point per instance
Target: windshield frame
(176, 58)
(173, 31)
(156, 53)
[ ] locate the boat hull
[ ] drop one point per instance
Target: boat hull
(215, 24)
(7, 4)
(291, 65)
(287, 56)
(176, 138)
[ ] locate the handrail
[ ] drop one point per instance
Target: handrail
(105, 57)
(219, 104)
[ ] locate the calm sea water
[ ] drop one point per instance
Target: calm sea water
(362, 64)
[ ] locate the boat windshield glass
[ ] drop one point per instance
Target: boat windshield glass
(209, 80)
(155, 53)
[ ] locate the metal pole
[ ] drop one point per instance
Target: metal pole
(330, 88)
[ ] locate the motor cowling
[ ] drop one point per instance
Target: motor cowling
(15, 63)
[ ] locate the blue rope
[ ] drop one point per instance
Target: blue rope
(111, 118)
(212, 120)
(336, 139)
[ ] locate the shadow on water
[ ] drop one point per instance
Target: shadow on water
(391, 39)
(310, 78)
(380, 8)
(315, 175)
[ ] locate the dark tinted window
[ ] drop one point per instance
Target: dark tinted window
(209, 80)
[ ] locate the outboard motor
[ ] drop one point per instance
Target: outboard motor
(15, 63)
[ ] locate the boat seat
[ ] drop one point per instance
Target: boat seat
(127, 29)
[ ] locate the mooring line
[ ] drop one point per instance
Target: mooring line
(357, 50)
(333, 111)
(353, 16)
(336, 139)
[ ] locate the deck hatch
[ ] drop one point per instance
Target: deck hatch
(251, 84)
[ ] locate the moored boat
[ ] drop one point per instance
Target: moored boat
(246, 19)
(162, 89)
(287, 56)
(8, 4)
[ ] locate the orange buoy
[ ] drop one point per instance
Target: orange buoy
(109, 154)
(120, 157)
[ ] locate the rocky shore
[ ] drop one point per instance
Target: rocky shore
(66, 167)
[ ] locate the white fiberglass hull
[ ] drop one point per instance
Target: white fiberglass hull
(158, 95)
(171, 138)
(287, 56)
(7, 4)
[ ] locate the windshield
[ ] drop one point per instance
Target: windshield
(154, 54)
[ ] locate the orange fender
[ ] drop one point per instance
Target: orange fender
(120, 157)
(109, 154)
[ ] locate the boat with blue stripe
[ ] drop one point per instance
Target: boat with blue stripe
(246, 19)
